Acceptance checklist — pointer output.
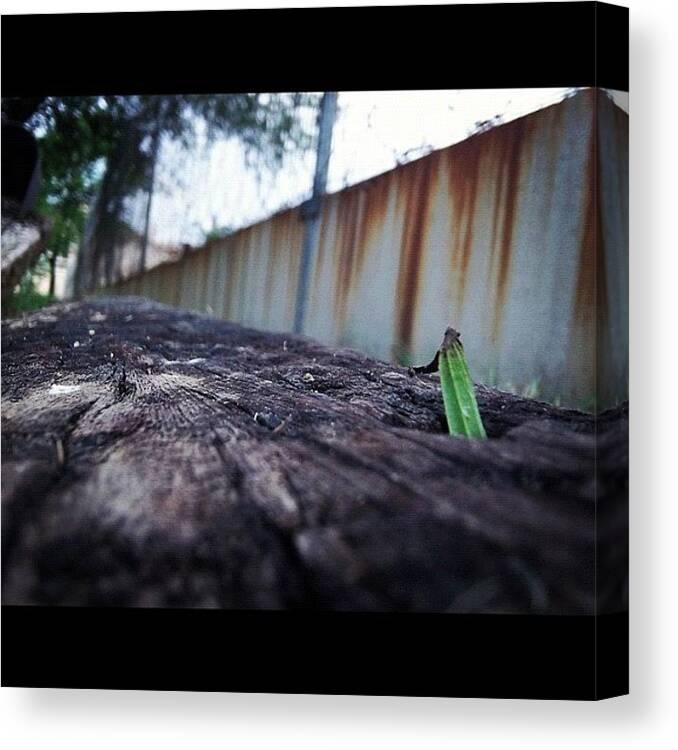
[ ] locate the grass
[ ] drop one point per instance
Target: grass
(459, 398)
(25, 298)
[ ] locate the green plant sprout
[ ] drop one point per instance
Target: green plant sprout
(459, 398)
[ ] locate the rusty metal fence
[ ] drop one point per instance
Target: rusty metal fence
(518, 237)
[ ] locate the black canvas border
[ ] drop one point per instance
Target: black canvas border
(317, 49)
(337, 653)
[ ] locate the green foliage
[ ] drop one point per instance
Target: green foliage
(26, 297)
(76, 132)
(461, 407)
(89, 141)
(217, 232)
(68, 223)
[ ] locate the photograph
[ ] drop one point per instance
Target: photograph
(320, 324)
(344, 351)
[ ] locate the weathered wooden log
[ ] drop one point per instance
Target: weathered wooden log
(152, 457)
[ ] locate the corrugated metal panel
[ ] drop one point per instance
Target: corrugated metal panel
(517, 237)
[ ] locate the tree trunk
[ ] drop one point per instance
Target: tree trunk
(156, 458)
(155, 148)
(97, 255)
(52, 272)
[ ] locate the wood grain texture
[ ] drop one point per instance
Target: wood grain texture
(151, 457)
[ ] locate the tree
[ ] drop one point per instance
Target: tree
(98, 150)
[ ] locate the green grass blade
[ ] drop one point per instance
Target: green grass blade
(461, 407)
(455, 422)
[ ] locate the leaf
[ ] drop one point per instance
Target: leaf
(461, 407)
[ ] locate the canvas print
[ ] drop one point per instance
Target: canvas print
(343, 351)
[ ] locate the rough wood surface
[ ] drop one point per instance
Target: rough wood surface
(156, 458)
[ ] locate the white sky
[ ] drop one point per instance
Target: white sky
(374, 131)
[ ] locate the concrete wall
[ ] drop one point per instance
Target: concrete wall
(518, 237)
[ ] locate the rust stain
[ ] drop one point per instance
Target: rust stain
(293, 255)
(621, 148)
(551, 123)
(348, 214)
(278, 246)
(391, 214)
(463, 177)
(509, 152)
(416, 184)
(233, 277)
(201, 281)
(591, 294)
(322, 239)
(590, 300)
(360, 212)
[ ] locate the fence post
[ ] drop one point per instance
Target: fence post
(310, 211)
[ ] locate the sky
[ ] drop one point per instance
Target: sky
(212, 187)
